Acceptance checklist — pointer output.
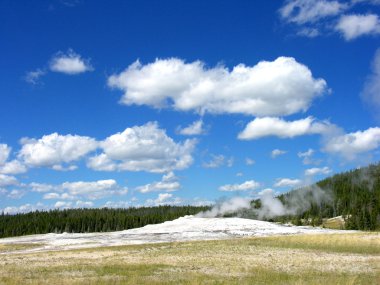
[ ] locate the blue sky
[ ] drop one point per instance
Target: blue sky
(130, 103)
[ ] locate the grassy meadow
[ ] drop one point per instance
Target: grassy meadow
(301, 259)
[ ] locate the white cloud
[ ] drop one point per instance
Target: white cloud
(318, 17)
(247, 185)
(310, 11)
(316, 171)
(270, 126)
(84, 204)
(13, 167)
(351, 145)
(63, 204)
(371, 92)
(16, 194)
(168, 183)
(218, 161)
(91, 190)
(353, 26)
(9, 167)
(69, 63)
(117, 204)
(40, 187)
(307, 156)
(267, 191)
(277, 152)
(196, 128)
(33, 77)
(59, 167)
(276, 88)
(309, 32)
(5, 150)
(7, 180)
(286, 182)
(54, 149)
(51, 196)
(249, 161)
(307, 153)
(23, 208)
(164, 199)
(143, 148)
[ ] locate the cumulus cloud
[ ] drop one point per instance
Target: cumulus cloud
(371, 92)
(77, 204)
(59, 167)
(13, 167)
(84, 204)
(247, 185)
(23, 208)
(54, 149)
(143, 148)
(168, 183)
(93, 190)
(249, 161)
(270, 126)
(164, 199)
(69, 63)
(305, 11)
(7, 180)
(196, 128)
(270, 88)
(40, 187)
(286, 182)
(354, 26)
(5, 150)
(318, 17)
(63, 204)
(218, 161)
(117, 204)
(277, 152)
(16, 194)
(9, 167)
(350, 145)
(317, 171)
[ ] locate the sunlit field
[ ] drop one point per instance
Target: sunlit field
(301, 259)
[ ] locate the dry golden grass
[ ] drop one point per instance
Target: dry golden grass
(18, 246)
(304, 259)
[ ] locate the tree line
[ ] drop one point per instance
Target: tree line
(90, 220)
(355, 195)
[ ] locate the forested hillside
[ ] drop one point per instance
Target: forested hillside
(90, 220)
(354, 194)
